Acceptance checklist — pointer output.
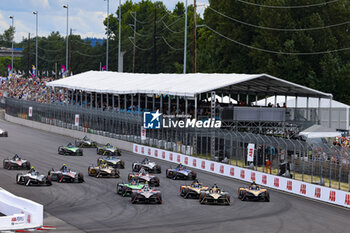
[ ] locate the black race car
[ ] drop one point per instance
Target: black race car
(16, 163)
(146, 195)
(65, 175)
(149, 166)
(70, 149)
(180, 173)
(86, 143)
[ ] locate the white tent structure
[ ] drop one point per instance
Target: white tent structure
(318, 131)
(188, 85)
(340, 118)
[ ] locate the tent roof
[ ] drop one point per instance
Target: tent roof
(182, 84)
(318, 131)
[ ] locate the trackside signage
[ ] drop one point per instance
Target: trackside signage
(297, 187)
(155, 120)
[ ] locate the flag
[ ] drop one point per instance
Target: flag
(33, 71)
(9, 69)
(64, 71)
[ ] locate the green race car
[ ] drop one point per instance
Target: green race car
(126, 189)
(70, 149)
(108, 149)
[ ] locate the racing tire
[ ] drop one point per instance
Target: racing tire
(185, 193)
(121, 165)
(5, 164)
(157, 182)
(159, 197)
(80, 178)
(17, 180)
(267, 197)
(28, 166)
(135, 167)
(133, 198)
(119, 189)
(99, 151)
(48, 181)
(77, 143)
(89, 172)
(60, 150)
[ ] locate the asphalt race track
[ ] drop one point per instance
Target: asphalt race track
(94, 206)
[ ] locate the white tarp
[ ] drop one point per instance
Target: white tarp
(318, 131)
(172, 84)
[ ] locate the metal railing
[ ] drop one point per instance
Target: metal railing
(312, 162)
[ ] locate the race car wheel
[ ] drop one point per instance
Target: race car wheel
(133, 198)
(89, 172)
(135, 167)
(99, 151)
(60, 150)
(267, 197)
(185, 193)
(159, 197)
(48, 181)
(80, 178)
(27, 167)
(5, 164)
(121, 165)
(18, 179)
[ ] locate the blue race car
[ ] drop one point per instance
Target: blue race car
(180, 173)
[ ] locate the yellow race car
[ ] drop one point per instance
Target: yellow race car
(192, 191)
(103, 170)
(253, 192)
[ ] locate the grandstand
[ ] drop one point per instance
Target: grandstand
(192, 94)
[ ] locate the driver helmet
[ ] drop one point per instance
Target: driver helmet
(16, 157)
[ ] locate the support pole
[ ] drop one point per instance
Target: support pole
(185, 39)
(134, 51)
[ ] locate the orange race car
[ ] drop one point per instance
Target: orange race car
(193, 190)
(253, 192)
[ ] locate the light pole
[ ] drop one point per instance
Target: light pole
(107, 34)
(185, 44)
(66, 6)
(36, 49)
(12, 18)
(120, 36)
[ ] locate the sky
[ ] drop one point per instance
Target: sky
(85, 16)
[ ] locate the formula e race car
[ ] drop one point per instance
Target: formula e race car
(16, 163)
(103, 170)
(144, 177)
(65, 175)
(32, 178)
(108, 149)
(111, 161)
(181, 173)
(214, 195)
(253, 192)
(146, 195)
(85, 143)
(126, 189)
(3, 133)
(70, 149)
(149, 166)
(192, 191)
